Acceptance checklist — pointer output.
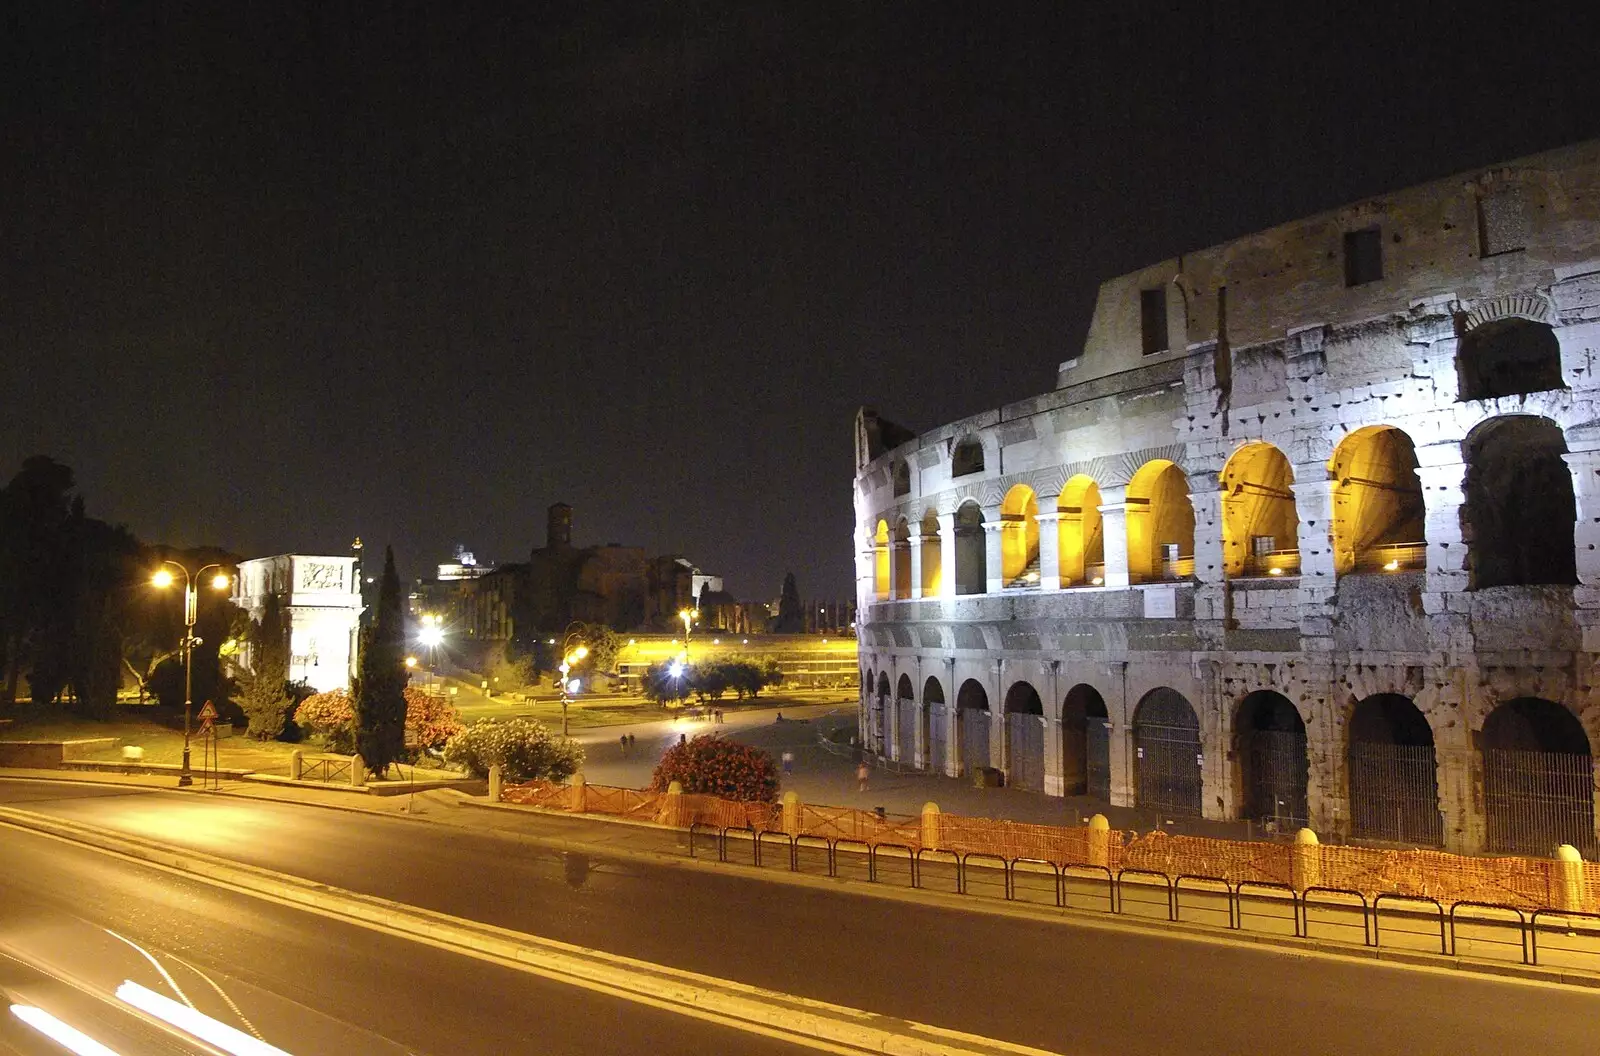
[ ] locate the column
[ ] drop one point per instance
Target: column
(1121, 742)
(993, 550)
(1050, 544)
(1114, 533)
(1585, 466)
(948, 764)
(1313, 504)
(997, 718)
(914, 547)
(1443, 476)
(947, 555)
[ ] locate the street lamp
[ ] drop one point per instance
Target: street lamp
(432, 636)
(191, 609)
(569, 658)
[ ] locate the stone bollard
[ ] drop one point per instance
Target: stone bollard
(1100, 841)
(672, 806)
(496, 783)
(930, 826)
(297, 764)
(1305, 861)
(791, 813)
(579, 801)
(358, 771)
(1567, 880)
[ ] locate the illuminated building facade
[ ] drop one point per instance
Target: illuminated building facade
(320, 599)
(1306, 533)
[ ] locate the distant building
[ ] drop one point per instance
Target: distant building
(320, 598)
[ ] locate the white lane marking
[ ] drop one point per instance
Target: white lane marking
(157, 964)
(68, 1037)
(251, 1027)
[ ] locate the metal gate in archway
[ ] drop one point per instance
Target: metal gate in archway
(1167, 754)
(1025, 739)
(1278, 773)
(1097, 737)
(1536, 801)
(974, 739)
(1394, 793)
(938, 739)
(907, 733)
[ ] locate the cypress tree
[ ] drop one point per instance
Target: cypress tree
(380, 699)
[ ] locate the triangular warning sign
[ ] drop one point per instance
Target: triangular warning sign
(208, 713)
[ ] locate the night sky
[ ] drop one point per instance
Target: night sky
(273, 278)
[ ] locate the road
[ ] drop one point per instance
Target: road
(308, 984)
(1064, 987)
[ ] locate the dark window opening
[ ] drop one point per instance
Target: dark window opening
(1508, 357)
(1519, 510)
(1363, 256)
(902, 478)
(1153, 320)
(968, 458)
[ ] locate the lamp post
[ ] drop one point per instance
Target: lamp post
(432, 636)
(569, 658)
(191, 609)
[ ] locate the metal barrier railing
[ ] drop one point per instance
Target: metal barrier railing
(1386, 920)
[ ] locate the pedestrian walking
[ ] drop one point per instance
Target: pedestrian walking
(624, 742)
(788, 762)
(863, 771)
(631, 739)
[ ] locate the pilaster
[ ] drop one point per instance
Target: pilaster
(1049, 546)
(993, 550)
(1114, 534)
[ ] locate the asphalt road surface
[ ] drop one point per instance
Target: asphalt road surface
(308, 984)
(1060, 986)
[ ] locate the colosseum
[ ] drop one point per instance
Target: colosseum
(1305, 534)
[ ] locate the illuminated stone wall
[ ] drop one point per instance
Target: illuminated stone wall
(1377, 468)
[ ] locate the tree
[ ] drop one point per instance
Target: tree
(380, 700)
(264, 690)
(791, 620)
(659, 685)
(603, 644)
(34, 510)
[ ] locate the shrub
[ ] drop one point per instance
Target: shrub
(524, 749)
(719, 767)
(430, 721)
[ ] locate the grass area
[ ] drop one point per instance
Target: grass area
(588, 714)
(161, 744)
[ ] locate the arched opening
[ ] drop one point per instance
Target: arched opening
(938, 726)
(1394, 775)
(1167, 754)
(901, 564)
(1519, 510)
(1085, 744)
(1160, 523)
(869, 702)
(972, 729)
(1019, 537)
(1270, 746)
(902, 479)
(932, 556)
(880, 561)
(880, 726)
(1081, 544)
(967, 457)
(1025, 737)
(972, 569)
(1260, 528)
(1377, 502)
(1538, 779)
(905, 720)
(1508, 357)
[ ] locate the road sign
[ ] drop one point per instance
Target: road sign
(208, 714)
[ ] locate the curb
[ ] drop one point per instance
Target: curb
(788, 1017)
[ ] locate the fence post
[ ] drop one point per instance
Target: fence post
(1568, 876)
(579, 801)
(672, 805)
(297, 763)
(496, 783)
(1305, 861)
(1100, 841)
(791, 813)
(358, 771)
(930, 826)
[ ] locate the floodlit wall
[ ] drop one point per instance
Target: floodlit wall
(1379, 474)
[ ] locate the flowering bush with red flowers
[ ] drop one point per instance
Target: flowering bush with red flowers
(719, 767)
(430, 721)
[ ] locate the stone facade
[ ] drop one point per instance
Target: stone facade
(320, 599)
(1306, 532)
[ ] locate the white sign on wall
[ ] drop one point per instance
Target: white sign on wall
(1160, 603)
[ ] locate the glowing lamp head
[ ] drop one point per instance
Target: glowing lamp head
(162, 578)
(431, 635)
(580, 652)
(1392, 566)
(676, 669)
(1274, 571)
(411, 661)
(574, 685)
(220, 581)
(1098, 581)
